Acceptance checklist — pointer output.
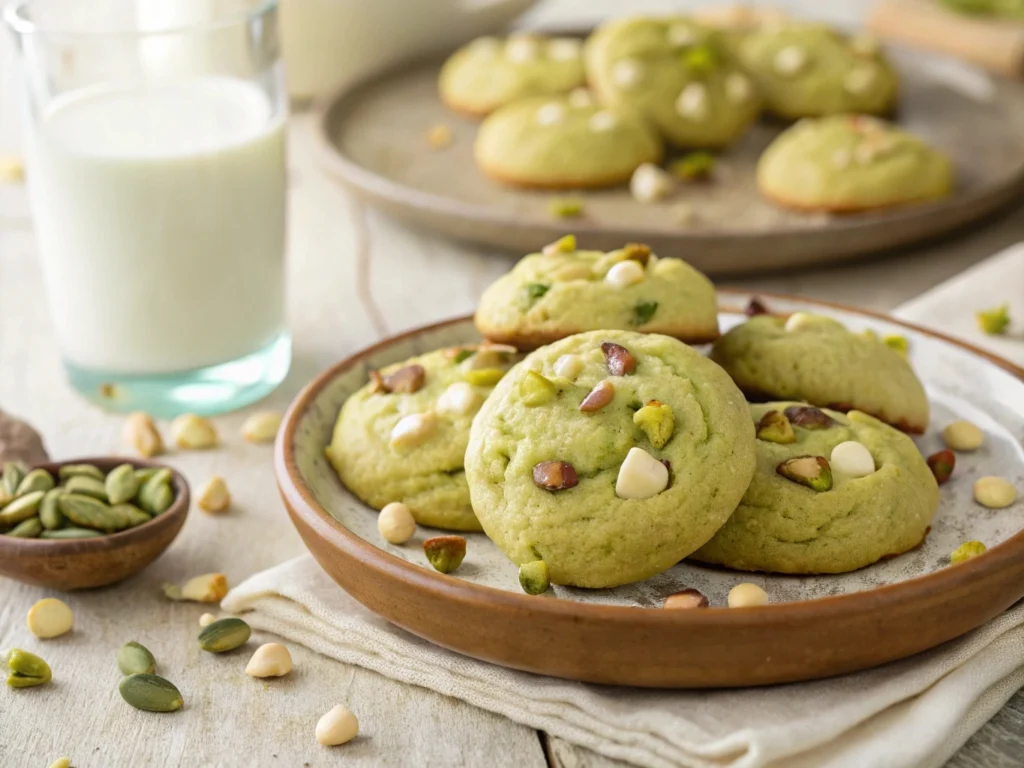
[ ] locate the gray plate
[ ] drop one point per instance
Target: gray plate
(374, 141)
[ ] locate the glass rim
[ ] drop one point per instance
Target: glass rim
(14, 14)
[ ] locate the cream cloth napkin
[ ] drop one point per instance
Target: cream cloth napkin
(911, 714)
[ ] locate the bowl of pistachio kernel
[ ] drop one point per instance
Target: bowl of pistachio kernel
(88, 522)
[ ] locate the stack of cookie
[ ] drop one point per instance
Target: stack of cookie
(614, 449)
(561, 113)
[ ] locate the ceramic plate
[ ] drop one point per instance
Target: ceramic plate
(815, 626)
(374, 141)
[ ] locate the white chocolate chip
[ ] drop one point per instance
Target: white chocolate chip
(207, 619)
(962, 435)
(337, 727)
(580, 97)
(521, 49)
(994, 492)
(627, 73)
(861, 78)
(682, 35)
(412, 430)
(564, 48)
(650, 183)
(852, 459)
(747, 595)
(270, 660)
(459, 399)
(738, 88)
(641, 476)
(50, 617)
(798, 321)
(790, 60)
(551, 114)
(625, 274)
(395, 523)
(842, 158)
(569, 366)
(602, 121)
(693, 102)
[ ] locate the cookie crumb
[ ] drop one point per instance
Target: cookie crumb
(565, 207)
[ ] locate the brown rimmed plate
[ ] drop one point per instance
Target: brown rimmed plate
(815, 627)
(373, 140)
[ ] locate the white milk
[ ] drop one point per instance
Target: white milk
(160, 212)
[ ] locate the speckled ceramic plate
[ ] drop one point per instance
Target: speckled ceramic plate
(816, 626)
(374, 141)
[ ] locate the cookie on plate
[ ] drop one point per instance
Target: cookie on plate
(562, 291)
(564, 142)
(403, 436)
(489, 72)
(847, 163)
(679, 75)
(809, 70)
(832, 493)
(610, 456)
(815, 359)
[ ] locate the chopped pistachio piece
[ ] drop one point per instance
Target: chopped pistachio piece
(756, 307)
(966, 551)
(657, 422)
(445, 553)
(811, 471)
(536, 291)
(686, 599)
(555, 475)
(694, 166)
(485, 377)
(565, 244)
(405, 380)
(774, 427)
(699, 59)
(637, 252)
(565, 207)
(619, 360)
(994, 321)
(644, 311)
(533, 577)
(941, 465)
(808, 417)
(536, 390)
(897, 343)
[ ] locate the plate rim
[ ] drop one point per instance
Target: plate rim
(301, 504)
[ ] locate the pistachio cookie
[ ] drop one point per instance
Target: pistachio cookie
(850, 163)
(403, 436)
(816, 359)
(679, 75)
(610, 456)
(489, 73)
(808, 70)
(561, 291)
(832, 493)
(564, 142)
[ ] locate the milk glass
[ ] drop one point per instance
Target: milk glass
(155, 148)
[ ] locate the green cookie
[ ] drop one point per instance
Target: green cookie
(851, 163)
(679, 75)
(570, 470)
(852, 519)
(382, 455)
(816, 359)
(563, 291)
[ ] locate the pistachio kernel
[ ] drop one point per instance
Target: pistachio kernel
(657, 422)
(602, 394)
(994, 321)
(695, 166)
(445, 553)
(377, 383)
(535, 291)
(193, 432)
(565, 244)
(618, 359)
(535, 389)
(26, 669)
(685, 599)
(966, 551)
(533, 577)
(643, 311)
(405, 380)
(565, 207)
(941, 464)
(808, 417)
(813, 472)
(774, 427)
(756, 307)
(555, 475)
(637, 252)
(897, 344)
(485, 377)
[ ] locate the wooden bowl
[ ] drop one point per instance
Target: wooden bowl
(86, 563)
(815, 627)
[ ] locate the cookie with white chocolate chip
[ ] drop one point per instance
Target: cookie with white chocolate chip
(562, 291)
(610, 456)
(490, 72)
(564, 142)
(676, 73)
(816, 359)
(832, 493)
(402, 437)
(808, 70)
(847, 163)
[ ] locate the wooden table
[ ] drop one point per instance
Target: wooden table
(354, 276)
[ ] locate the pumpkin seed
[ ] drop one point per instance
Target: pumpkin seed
(49, 510)
(27, 669)
(87, 486)
(70, 533)
(27, 529)
(22, 508)
(150, 693)
(155, 495)
(224, 635)
(86, 511)
(135, 659)
(121, 484)
(68, 471)
(36, 480)
(14, 472)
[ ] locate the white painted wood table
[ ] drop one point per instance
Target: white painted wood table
(354, 276)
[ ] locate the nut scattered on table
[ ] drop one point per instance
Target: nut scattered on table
(207, 588)
(995, 321)
(534, 578)
(395, 523)
(26, 669)
(141, 433)
(270, 660)
(262, 426)
(966, 551)
(214, 496)
(50, 617)
(135, 659)
(747, 595)
(994, 492)
(686, 599)
(649, 183)
(942, 465)
(61, 762)
(963, 435)
(224, 635)
(150, 693)
(565, 207)
(207, 619)
(445, 553)
(193, 433)
(336, 727)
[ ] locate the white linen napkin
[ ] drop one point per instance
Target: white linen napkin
(915, 713)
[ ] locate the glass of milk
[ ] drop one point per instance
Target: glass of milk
(155, 145)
